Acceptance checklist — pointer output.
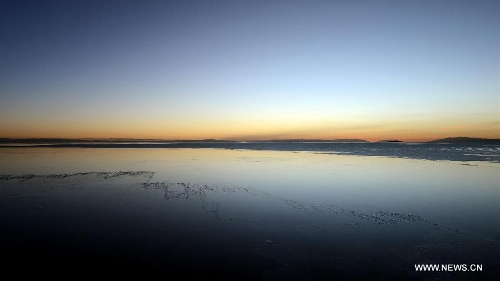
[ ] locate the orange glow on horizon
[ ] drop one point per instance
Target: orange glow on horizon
(246, 129)
(416, 136)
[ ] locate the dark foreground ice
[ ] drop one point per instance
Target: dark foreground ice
(251, 215)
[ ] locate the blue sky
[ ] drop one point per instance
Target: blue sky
(250, 69)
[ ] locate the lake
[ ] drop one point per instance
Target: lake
(237, 211)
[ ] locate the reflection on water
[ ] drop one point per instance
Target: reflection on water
(266, 215)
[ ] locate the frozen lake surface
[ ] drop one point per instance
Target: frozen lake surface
(300, 213)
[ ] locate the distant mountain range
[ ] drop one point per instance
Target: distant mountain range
(117, 140)
(390, 141)
(465, 140)
(114, 140)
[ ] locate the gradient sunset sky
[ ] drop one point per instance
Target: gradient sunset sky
(409, 70)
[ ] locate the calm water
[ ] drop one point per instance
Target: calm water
(348, 213)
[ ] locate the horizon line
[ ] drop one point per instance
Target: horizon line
(56, 139)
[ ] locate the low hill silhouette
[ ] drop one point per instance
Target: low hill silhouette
(465, 140)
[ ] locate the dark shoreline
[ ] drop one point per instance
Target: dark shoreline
(128, 141)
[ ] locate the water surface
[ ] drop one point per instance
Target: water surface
(256, 214)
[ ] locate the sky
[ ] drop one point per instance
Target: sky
(248, 70)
